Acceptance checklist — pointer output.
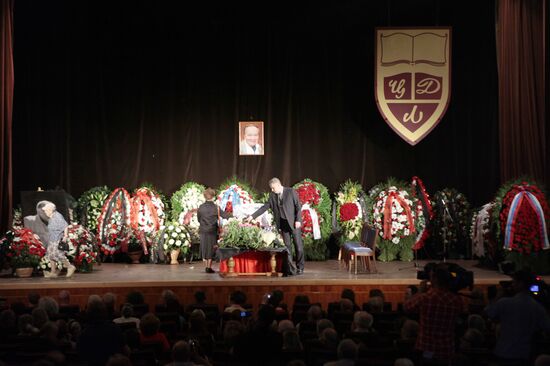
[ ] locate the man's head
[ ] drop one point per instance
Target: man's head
(251, 135)
(275, 185)
(522, 280)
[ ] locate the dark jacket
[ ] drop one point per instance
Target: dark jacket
(208, 217)
(290, 205)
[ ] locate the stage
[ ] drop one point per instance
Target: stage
(322, 282)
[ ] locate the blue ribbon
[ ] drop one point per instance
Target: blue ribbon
(236, 201)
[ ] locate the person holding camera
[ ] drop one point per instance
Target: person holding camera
(439, 309)
(520, 316)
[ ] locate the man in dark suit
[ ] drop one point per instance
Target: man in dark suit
(287, 212)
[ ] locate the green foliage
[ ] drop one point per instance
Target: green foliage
(452, 220)
(349, 192)
(236, 235)
(89, 207)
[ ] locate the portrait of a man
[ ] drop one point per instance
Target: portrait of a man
(251, 138)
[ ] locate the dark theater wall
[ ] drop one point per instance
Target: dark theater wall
(122, 92)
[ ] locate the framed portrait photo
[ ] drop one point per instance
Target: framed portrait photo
(251, 138)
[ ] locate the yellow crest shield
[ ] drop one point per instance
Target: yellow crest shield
(413, 78)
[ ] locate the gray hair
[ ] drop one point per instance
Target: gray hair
(347, 349)
(274, 180)
(362, 320)
(49, 305)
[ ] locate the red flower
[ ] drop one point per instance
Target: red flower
(348, 211)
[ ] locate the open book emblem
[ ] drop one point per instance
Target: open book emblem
(413, 78)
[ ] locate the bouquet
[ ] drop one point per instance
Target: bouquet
(81, 239)
(316, 213)
(396, 215)
(17, 222)
(89, 207)
(147, 211)
(174, 236)
(349, 211)
(114, 222)
(185, 203)
(24, 248)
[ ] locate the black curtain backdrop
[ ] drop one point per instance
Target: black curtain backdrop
(119, 93)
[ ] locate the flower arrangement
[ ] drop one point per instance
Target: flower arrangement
(89, 207)
(114, 222)
(451, 223)
(522, 215)
(24, 249)
(234, 192)
(349, 212)
(316, 203)
(185, 203)
(173, 236)
(86, 251)
(247, 236)
(147, 213)
(419, 191)
(136, 241)
(17, 222)
(483, 244)
(396, 215)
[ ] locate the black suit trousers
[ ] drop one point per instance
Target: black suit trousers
(288, 230)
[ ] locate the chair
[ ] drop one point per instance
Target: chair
(366, 249)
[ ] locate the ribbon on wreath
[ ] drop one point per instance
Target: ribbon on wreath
(519, 199)
(419, 190)
(143, 198)
(314, 220)
(119, 200)
(388, 212)
(236, 199)
(478, 237)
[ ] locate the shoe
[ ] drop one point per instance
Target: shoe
(70, 270)
(209, 270)
(300, 272)
(50, 274)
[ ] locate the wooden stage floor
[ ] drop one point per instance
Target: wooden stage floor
(322, 282)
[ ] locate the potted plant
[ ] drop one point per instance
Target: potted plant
(25, 251)
(175, 239)
(135, 246)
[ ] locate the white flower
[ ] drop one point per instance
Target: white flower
(395, 240)
(165, 247)
(171, 241)
(174, 235)
(171, 227)
(178, 243)
(178, 230)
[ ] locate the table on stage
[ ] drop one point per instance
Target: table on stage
(244, 262)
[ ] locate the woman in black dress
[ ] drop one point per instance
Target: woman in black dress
(208, 215)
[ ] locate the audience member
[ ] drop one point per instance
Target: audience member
(25, 325)
(409, 330)
(236, 301)
(118, 360)
(520, 317)
(285, 325)
(50, 306)
(109, 299)
(127, 315)
(8, 323)
(403, 362)
(350, 295)
(362, 322)
(101, 338)
(439, 309)
(346, 353)
(33, 298)
(291, 341)
(150, 333)
(64, 298)
(39, 317)
(542, 360)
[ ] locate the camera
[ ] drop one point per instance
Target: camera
(245, 314)
(460, 278)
